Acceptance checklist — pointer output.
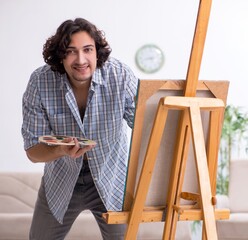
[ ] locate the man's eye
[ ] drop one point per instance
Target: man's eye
(70, 52)
(87, 50)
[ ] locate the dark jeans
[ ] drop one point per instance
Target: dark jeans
(85, 196)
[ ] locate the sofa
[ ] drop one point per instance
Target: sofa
(236, 227)
(18, 192)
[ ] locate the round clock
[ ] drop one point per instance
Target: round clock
(149, 58)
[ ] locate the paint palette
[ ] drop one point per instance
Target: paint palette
(54, 140)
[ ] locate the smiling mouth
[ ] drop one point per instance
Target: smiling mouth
(81, 69)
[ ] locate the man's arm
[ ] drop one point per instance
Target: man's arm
(45, 153)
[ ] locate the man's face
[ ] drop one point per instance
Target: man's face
(80, 61)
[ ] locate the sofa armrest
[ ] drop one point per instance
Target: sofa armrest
(222, 201)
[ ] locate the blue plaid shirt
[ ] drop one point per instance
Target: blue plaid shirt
(49, 107)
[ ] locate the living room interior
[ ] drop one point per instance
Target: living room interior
(128, 25)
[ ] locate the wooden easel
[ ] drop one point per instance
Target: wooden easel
(169, 209)
(190, 128)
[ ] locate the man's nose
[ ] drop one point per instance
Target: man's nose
(81, 58)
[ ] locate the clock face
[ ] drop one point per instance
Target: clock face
(149, 58)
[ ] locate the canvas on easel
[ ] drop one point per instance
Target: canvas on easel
(145, 112)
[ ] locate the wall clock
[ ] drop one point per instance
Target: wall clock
(149, 58)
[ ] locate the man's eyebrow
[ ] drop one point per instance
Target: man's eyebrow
(90, 45)
(86, 46)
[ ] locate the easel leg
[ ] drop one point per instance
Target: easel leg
(178, 169)
(146, 173)
(203, 174)
(212, 151)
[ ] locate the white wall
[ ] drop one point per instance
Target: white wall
(26, 24)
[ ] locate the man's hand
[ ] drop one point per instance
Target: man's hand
(44, 153)
(75, 151)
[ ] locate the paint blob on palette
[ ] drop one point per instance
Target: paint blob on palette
(54, 140)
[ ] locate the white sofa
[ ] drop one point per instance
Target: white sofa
(18, 192)
(235, 228)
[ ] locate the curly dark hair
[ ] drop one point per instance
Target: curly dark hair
(54, 50)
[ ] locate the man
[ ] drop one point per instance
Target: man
(80, 92)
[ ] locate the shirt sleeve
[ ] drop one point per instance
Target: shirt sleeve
(131, 92)
(35, 121)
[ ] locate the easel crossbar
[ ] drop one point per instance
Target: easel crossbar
(185, 102)
(154, 215)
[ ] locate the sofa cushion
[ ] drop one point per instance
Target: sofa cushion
(238, 192)
(15, 226)
(154, 231)
(18, 191)
(233, 228)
